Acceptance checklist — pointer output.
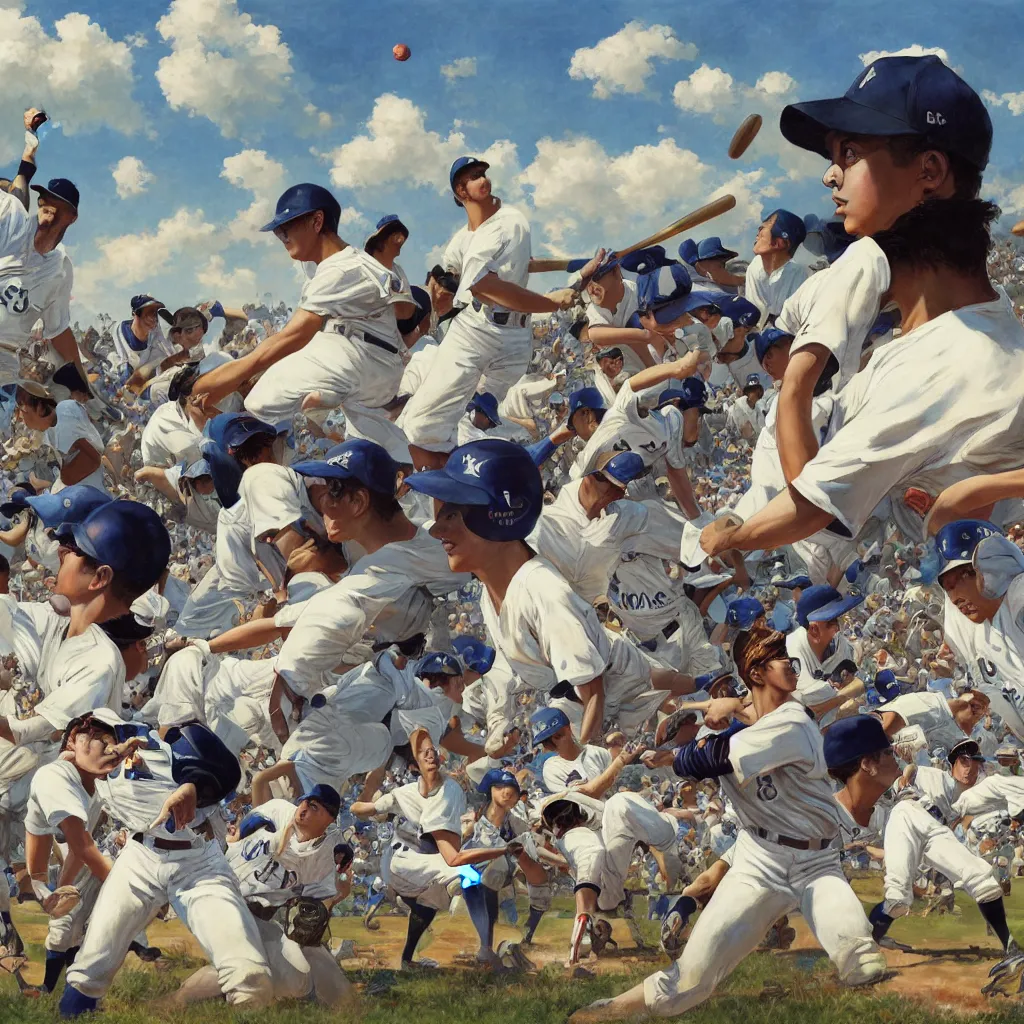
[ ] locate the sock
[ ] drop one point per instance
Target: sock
(419, 921)
(880, 921)
(73, 1003)
(476, 904)
(532, 921)
(69, 956)
(491, 899)
(579, 931)
(994, 913)
(5, 918)
(55, 961)
(686, 905)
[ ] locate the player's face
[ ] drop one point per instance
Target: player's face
(147, 317)
(598, 495)
(473, 185)
(300, 236)
(779, 674)
(465, 550)
(506, 797)
(612, 367)
(585, 423)
(776, 359)
(94, 751)
(961, 584)
(869, 190)
(884, 769)
(313, 818)
(341, 509)
(52, 212)
(79, 577)
(763, 241)
(426, 754)
(965, 770)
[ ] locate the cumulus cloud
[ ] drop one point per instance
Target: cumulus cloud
(461, 67)
(263, 176)
(79, 70)
(1013, 100)
(398, 148)
(234, 286)
(131, 178)
(707, 90)
(131, 259)
(775, 83)
(914, 50)
(225, 67)
(623, 62)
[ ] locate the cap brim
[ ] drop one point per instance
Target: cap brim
(436, 483)
(807, 124)
(322, 468)
(828, 612)
(722, 254)
(319, 799)
(42, 189)
(955, 564)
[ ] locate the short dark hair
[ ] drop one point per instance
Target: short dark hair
(43, 406)
(383, 505)
(966, 177)
(844, 772)
(5, 565)
(247, 452)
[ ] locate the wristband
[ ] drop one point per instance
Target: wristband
(26, 169)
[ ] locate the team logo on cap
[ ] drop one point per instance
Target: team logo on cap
(472, 466)
(67, 503)
(340, 460)
(867, 78)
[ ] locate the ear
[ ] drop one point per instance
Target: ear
(934, 172)
(102, 578)
(318, 221)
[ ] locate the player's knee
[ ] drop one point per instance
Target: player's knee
(983, 887)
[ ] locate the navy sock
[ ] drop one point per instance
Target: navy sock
(880, 921)
(994, 913)
(476, 904)
(55, 962)
(532, 921)
(420, 918)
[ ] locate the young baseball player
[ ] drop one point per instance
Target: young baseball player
(426, 854)
(177, 779)
(489, 344)
(746, 414)
(945, 721)
(774, 774)
(772, 276)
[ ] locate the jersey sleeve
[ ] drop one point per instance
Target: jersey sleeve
(995, 793)
(57, 797)
(89, 681)
(57, 312)
(752, 290)
(72, 425)
(485, 254)
(775, 742)
(272, 494)
(13, 222)
(660, 533)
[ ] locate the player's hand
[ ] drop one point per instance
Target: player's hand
(588, 269)
(129, 747)
(179, 808)
(631, 752)
(514, 848)
(563, 297)
(657, 758)
(692, 364)
(560, 434)
(717, 537)
(720, 711)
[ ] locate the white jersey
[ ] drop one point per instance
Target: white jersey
(417, 368)
(742, 414)
(870, 834)
(440, 810)
(599, 316)
(233, 548)
(769, 291)
(73, 425)
(527, 396)
(837, 307)
(57, 793)
(33, 286)
(130, 352)
(559, 774)
(547, 632)
(1003, 793)
(627, 426)
(912, 419)
(275, 498)
(938, 791)
(779, 781)
(930, 711)
(812, 685)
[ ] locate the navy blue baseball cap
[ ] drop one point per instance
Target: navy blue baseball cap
(140, 302)
(742, 312)
(643, 261)
(487, 404)
(62, 189)
(498, 481)
(662, 291)
(792, 582)
(301, 199)
(16, 500)
(753, 382)
(688, 250)
(460, 165)
(789, 226)
(129, 537)
(497, 777)
(852, 738)
(956, 541)
(899, 96)
(439, 663)
(822, 603)
(327, 796)
(606, 266)
(711, 248)
(743, 612)
(965, 748)
(475, 654)
(691, 393)
(70, 505)
(546, 722)
(358, 459)
(388, 224)
(764, 340)
(194, 470)
(887, 685)
(231, 430)
(584, 398)
(622, 468)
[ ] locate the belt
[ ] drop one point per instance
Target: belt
(504, 319)
(794, 844)
(338, 327)
(261, 910)
(670, 628)
(156, 843)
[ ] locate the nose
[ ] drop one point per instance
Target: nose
(833, 177)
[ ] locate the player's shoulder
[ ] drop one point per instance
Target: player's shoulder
(56, 773)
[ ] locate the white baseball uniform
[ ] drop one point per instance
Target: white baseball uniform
(931, 712)
(599, 316)
(769, 291)
(131, 353)
(813, 686)
(73, 424)
(170, 436)
(487, 348)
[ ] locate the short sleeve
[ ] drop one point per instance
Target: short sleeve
(272, 496)
(776, 741)
(56, 797)
(346, 290)
(14, 219)
(89, 681)
(676, 454)
(57, 312)
(72, 426)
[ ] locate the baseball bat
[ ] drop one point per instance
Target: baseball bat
(723, 204)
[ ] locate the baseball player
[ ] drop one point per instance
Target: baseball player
(178, 779)
(774, 774)
(746, 415)
(945, 721)
(140, 340)
(489, 344)
(426, 854)
(772, 276)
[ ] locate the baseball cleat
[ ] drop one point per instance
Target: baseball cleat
(601, 936)
(423, 964)
(1007, 977)
(672, 929)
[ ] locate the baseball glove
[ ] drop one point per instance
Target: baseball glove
(306, 920)
(62, 901)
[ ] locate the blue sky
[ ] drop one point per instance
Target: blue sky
(603, 121)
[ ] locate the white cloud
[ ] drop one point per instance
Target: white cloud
(79, 71)
(623, 62)
(775, 83)
(707, 90)
(253, 170)
(461, 67)
(225, 67)
(131, 177)
(350, 216)
(137, 40)
(1013, 100)
(231, 286)
(132, 259)
(914, 50)
(1009, 195)
(398, 148)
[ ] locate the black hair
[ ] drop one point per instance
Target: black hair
(445, 278)
(966, 177)
(842, 773)
(383, 505)
(247, 452)
(43, 406)
(434, 679)
(951, 233)
(412, 646)
(5, 565)
(331, 219)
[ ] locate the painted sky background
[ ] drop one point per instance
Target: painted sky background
(182, 123)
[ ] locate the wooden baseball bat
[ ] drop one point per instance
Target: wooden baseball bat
(723, 204)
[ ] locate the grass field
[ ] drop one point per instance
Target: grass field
(939, 981)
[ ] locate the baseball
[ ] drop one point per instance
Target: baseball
(401, 51)
(744, 136)
(1018, 228)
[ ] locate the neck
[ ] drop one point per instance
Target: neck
(429, 780)
(89, 613)
(508, 558)
(584, 492)
(47, 239)
(818, 645)
(766, 699)
(304, 835)
(570, 750)
(88, 780)
(771, 261)
(138, 330)
(860, 795)
(613, 296)
(477, 213)
(751, 400)
(328, 245)
(378, 532)
(927, 293)
(496, 815)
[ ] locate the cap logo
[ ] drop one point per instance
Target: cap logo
(67, 503)
(472, 466)
(867, 78)
(341, 460)
(934, 117)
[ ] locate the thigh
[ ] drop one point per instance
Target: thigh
(289, 968)
(944, 852)
(905, 832)
(508, 364)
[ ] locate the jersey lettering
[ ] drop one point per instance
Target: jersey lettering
(14, 298)
(766, 788)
